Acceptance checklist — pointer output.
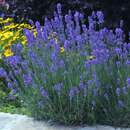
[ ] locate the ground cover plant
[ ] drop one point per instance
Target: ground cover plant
(70, 73)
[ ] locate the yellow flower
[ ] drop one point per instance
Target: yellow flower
(0, 56)
(20, 29)
(21, 25)
(23, 42)
(49, 38)
(15, 38)
(7, 20)
(28, 26)
(6, 46)
(91, 57)
(62, 49)
(7, 35)
(8, 52)
(1, 19)
(37, 48)
(56, 40)
(35, 33)
(53, 32)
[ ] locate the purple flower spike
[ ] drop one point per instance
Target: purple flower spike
(120, 103)
(66, 45)
(44, 92)
(59, 8)
(100, 17)
(118, 92)
(106, 95)
(93, 102)
(2, 73)
(58, 86)
(128, 81)
(118, 64)
(121, 23)
(124, 90)
(118, 81)
(62, 63)
(71, 94)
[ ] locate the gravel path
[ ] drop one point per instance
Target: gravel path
(21, 122)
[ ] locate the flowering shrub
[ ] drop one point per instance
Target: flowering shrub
(10, 34)
(71, 73)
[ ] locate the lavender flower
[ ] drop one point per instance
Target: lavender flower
(106, 96)
(95, 92)
(62, 63)
(71, 94)
(2, 73)
(53, 68)
(67, 45)
(118, 81)
(89, 82)
(118, 64)
(93, 102)
(86, 65)
(27, 79)
(10, 86)
(120, 103)
(100, 17)
(124, 90)
(44, 92)
(58, 86)
(128, 82)
(59, 8)
(121, 23)
(127, 62)
(111, 73)
(118, 91)
(119, 32)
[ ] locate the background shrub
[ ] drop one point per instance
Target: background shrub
(114, 10)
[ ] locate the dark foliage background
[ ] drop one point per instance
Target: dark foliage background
(114, 10)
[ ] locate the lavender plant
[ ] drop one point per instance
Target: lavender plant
(72, 74)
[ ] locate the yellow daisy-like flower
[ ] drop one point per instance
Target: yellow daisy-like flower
(23, 42)
(91, 57)
(8, 53)
(62, 49)
(6, 46)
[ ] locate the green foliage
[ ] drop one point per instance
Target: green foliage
(10, 106)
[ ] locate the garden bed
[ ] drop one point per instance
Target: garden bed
(67, 72)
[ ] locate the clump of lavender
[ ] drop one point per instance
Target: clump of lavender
(83, 70)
